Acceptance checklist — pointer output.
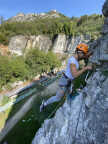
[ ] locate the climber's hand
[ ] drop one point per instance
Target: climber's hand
(88, 67)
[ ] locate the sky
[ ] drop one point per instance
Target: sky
(9, 8)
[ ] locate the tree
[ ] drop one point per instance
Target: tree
(5, 70)
(53, 61)
(19, 68)
(1, 19)
(82, 20)
(38, 61)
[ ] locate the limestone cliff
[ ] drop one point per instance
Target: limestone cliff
(85, 119)
(61, 43)
(21, 17)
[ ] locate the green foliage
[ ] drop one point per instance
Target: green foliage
(35, 59)
(3, 38)
(19, 68)
(105, 73)
(12, 69)
(52, 60)
(1, 19)
(5, 100)
(90, 25)
(39, 61)
(52, 26)
(80, 81)
(16, 68)
(5, 70)
(82, 20)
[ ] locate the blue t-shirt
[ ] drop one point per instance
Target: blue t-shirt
(68, 71)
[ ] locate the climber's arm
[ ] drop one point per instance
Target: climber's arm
(75, 72)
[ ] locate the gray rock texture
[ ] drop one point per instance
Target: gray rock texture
(20, 44)
(105, 9)
(105, 13)
(17, 44)
(21, 17)
(65, 43)
(42, 42)
(83, 120)
(100, 48)
(62, 43)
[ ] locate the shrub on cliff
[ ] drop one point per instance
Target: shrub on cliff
(19, 68)
(52, 60)
(5, 70)
(12, 69)
(3, 38)
(39, 61)
(69, 26)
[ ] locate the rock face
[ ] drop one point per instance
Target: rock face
(21, 17)
(83, 120)
(61, 44)
(42, 42)
(17, 44)
(65, 43)
(100, 47)
(20, 44)
(105, 9)
(105, 13)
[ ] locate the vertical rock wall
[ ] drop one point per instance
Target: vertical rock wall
(62, 43)
(83, 120)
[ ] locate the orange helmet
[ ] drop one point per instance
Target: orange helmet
(82, 47)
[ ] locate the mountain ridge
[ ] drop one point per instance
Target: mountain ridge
(21, 17)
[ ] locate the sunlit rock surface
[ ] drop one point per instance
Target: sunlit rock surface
(83, 120)
(21, 17)
(61, 44)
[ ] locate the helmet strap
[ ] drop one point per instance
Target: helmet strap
(79, 51)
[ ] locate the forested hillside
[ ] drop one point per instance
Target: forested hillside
(35, 61)
(51, 26)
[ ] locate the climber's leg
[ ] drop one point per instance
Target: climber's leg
(60, 93)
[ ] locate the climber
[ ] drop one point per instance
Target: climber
(70, 73)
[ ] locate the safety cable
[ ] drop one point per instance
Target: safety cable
(82, 104)
(79, 111)
(81, 107)
(78, 120)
